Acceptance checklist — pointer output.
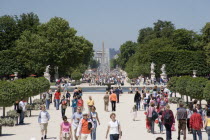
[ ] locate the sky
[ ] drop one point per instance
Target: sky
(114, 21)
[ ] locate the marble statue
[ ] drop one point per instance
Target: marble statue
(152, 67)
(163, 69)
(47, 69)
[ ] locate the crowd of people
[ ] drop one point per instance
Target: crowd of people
(153, 101)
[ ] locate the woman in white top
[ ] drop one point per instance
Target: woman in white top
(114, 128)
(94, 118)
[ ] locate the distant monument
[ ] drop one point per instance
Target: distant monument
(46, 73)
(163, 75)
(152, 71)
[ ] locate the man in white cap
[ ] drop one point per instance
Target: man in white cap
(85, 127)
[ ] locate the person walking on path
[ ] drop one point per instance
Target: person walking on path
(189, 114)
(150, 116)
(63, 106)
(22, 110)
(74, 105)
(84, 129)
(114, 128)
(65, 130)
(113, 99)
(57, 97)
(90, 104)
(137, 99)
(181, 117)
(43, 119)
(168, 120)
(80, 103)
(95, 119)
(47, 100)
(134, 111)
(76, 117)
(207, 123)
(68, 96)
(196, 124)
(106, 101)
(117, 92)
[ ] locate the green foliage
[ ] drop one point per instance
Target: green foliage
(171, 85)
(206, 33)
(21, 88)
(181, 85)
(113, 63)
(76, 75)
(196, 86)
(206, 94)
(94, 64)
(12, 113)
(126, 51)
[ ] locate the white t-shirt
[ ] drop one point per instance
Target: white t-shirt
(44, 118)
(189, 113)
(114, 127)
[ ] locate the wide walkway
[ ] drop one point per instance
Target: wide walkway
(131, 130)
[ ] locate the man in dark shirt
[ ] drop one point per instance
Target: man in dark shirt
(117, 91)
(182, 117)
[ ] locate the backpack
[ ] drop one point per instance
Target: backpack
(167, 117)
(154, 115)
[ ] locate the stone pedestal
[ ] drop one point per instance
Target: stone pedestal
(152, 75)
(16, 75)
(47, 76)
(163, 75)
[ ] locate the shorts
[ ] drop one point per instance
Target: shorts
(44, 126)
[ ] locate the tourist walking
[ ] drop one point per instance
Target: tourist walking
(65, 130)
(189, 114)
(43, 119)
(106, 101)
(47, 100)
(196, 124)
(76, 117)
(117, 92)
(22, 110)
(80, 103)
(68, 96)
(168, 120)
(181, 117)
(94, 117)
(57, 97)
(113, 99)
(74, 105)
(207, 123)
(134, 111)
(90, 103)
(151, 116)
(63, 106)
(137, 99)
(114, 128)
(85, 127)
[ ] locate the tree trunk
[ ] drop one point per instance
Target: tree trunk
(175, 94)
(0, 129)
(200, 102)
(3, 111)
(190, 99)
(187, 100)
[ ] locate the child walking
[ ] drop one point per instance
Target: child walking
(134, 111)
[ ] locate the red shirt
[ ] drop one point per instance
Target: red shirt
(57, 95)
(196, 121)
(80, 103)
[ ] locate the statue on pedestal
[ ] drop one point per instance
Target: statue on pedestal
(46, 73)
(163, 69)
(152, 67)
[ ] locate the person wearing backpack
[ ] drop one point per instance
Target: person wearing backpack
(152, 116)
(168, 120)
(85, 127)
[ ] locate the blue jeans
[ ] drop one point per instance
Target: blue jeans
(47, 102)
(145, 107)
(22, 115)
(57, 102)
(93, 132)
(138, 105)
(208, 131)
(161, 126)
(114, 136)
(152, 124)
(198, 132)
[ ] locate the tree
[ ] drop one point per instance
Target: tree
(206, 33)
(172, 84)
(181, 84)
(126, 51)
(94, 64)
(113, 63)
(206, 92)
(163, 29)
(145, 35)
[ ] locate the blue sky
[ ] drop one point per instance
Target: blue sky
(114, 21)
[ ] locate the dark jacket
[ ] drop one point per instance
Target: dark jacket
(172, 120)
(137, 97)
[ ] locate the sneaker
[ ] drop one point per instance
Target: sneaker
(45, 136)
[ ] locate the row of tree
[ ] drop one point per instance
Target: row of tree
(11, 91)
(181, 50)
(193, 87)
(28, 46)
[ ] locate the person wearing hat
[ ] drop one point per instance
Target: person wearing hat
(85, 127)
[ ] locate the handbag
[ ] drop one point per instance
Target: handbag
(90, 125)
